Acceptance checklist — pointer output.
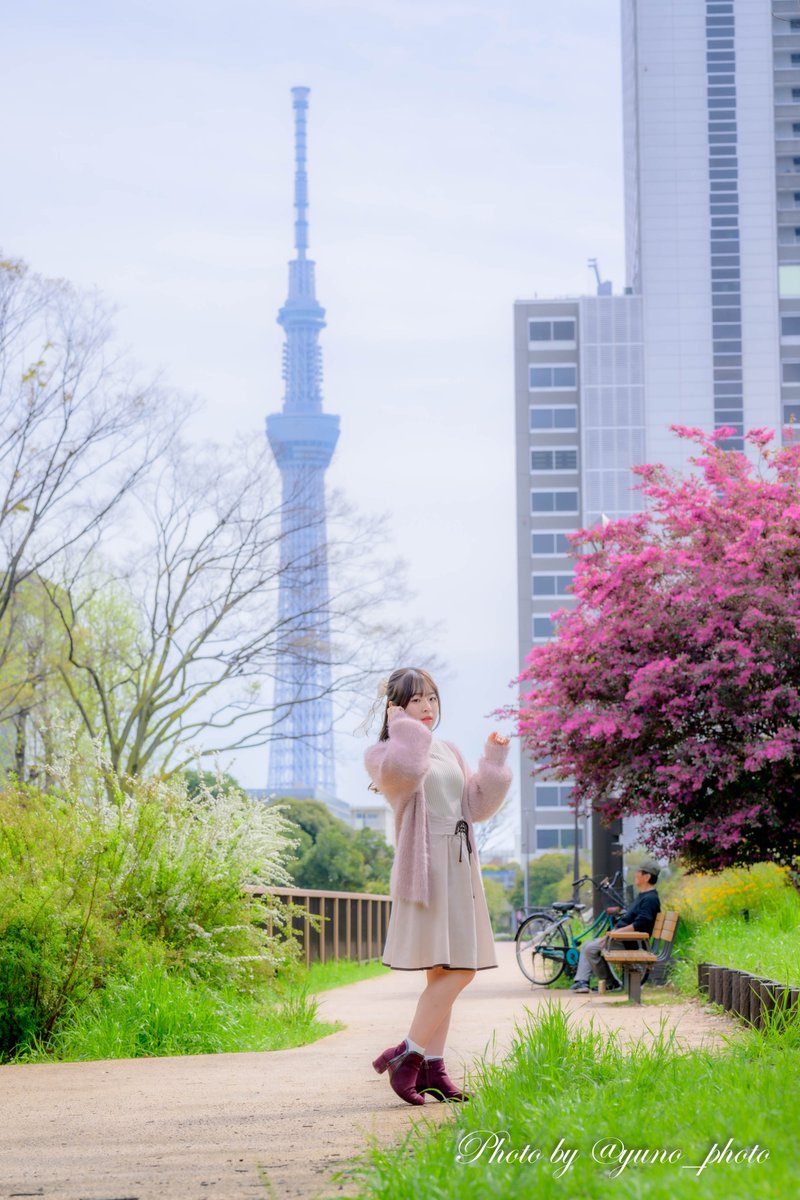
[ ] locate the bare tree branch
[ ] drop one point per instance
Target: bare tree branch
(201, 635)
(78, 430)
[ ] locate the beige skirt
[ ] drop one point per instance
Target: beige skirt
(454, 929)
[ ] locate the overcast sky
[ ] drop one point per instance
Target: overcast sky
(462, 154)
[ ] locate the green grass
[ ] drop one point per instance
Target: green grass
(571, 1088)
(323, 976)
(767, 944)
(152, 1012)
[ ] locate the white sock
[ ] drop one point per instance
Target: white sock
(434, 1057)
(413, 1048)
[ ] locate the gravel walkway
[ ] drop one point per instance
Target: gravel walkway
(270, 1125)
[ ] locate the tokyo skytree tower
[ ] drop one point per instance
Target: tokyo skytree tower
(303, 439)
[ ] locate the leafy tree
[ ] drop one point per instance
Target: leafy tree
(549, 878)
(209, 783)
(330, 855)
(32, 701)
(499, 904)
(672, 690)
(378, 857)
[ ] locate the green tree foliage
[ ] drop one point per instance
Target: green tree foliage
(499, 905)
(33, 702)
(549, 878)
(330, 855)
(209, 783)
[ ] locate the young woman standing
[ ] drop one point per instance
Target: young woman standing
(439, 922)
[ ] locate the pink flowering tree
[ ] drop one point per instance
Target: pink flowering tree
(672, 690)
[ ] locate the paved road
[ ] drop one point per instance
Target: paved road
(271, 1125)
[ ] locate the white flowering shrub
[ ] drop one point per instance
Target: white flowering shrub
(98, 862)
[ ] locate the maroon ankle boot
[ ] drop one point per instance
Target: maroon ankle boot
(403, 1068)
(403, 1077)
(433, 1080)
(393, 1055)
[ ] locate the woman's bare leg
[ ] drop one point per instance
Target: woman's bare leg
(432, 1017)
(438, 1038)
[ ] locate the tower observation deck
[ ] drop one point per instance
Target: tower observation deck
(303, 439)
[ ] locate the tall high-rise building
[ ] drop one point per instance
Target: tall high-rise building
(579, 430)
(711, 112)
(303, 439)
(708, 331)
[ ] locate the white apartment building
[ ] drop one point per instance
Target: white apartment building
(579, 431)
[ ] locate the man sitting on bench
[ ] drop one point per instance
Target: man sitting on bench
(641, 916)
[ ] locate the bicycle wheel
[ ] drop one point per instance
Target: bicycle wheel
(615, 970)
(541, 948)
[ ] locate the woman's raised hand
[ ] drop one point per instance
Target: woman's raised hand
(394, 708)
(497, 739)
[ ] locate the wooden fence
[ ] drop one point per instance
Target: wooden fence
(349, 924)
(749, 997)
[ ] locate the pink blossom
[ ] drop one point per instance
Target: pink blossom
(672, 688)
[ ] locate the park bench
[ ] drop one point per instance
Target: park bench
(647, 955)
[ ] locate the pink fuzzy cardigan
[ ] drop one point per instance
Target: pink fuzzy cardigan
(397, 768)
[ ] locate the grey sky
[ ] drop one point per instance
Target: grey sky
(461, 155)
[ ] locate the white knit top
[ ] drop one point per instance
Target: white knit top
(444, 783)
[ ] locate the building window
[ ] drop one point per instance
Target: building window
(561, 838)
(552, 376)
(791, 414)
(796, 93)
(550, 543)
(557, 501)
(794, 24)
(791, 371)
(564, 416)
(795, 58)
(551, 331)
(789, 280)
(557, 459)
(547, 839)
(543, 628)
(550, 585)
(790, 325)
(552, 795)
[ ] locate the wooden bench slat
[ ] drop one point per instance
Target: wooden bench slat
(624, 956)
(624, 934)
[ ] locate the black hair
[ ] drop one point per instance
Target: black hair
(403, 684)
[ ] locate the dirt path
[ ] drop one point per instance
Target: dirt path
(271, 1125)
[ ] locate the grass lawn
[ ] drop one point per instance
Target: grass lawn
(156, 1013)
(569, 1114)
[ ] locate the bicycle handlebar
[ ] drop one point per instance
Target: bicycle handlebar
(604, 885)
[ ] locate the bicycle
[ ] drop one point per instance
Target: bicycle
(546, 942)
